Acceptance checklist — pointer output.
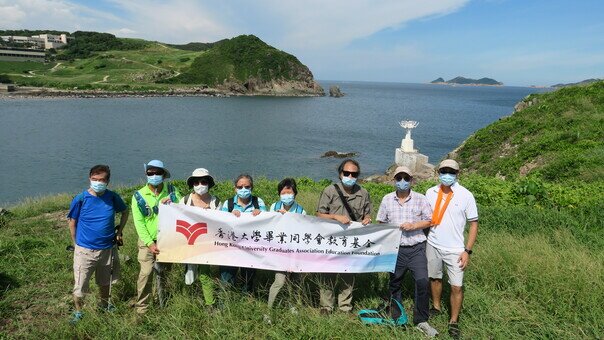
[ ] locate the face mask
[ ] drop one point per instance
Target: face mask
(347, 181)
(403, 185)
(447, 179)
(155, 180)
(287, 199)
(244, 193)
(97, 186)
(200, 189)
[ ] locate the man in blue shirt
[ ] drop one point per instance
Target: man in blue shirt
(93, 232)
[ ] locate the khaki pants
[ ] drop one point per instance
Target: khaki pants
(329, 283)
(144, 285)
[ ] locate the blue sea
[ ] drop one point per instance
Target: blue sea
(48, 145)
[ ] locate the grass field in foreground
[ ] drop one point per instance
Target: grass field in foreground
(537, 272)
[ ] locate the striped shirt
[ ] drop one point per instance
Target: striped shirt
(415, 208)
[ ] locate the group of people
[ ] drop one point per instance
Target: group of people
(432, 235)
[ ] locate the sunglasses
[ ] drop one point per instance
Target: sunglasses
(155, 172)
(400, 177)
(354, 174)
(243, 186)
(447, 171)
(201, 181)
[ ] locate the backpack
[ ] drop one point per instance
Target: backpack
(279, 205)
(382, 317)
(145, 209)
(231, 203)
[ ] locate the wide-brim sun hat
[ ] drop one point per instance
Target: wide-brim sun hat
(449, 163)
(198, 173)
(157, 164)
(403, 169)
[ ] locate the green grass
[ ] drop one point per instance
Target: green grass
(537, 272)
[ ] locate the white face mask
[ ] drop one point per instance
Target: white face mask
(200, 189)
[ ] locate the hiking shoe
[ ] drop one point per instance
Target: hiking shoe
(267, 319)
(293, 310)
(427, 329)
(76, 317)
(454, 331)
(108, 309)
(434, 312)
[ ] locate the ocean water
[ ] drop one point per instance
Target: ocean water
(48, 145)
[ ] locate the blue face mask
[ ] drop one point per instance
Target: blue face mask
(155, 180)
(287, 199)
(447, 179)
(347, 181)
(244, 193)
(403, 185)
(98, 187)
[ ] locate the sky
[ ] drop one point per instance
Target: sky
(517, 42)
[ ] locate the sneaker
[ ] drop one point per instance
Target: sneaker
(293, 310)
(267, 319)
(454, 331)
(109, 309)
(427, 329)
(76, 317)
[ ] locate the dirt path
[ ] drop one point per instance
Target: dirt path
(54, 68)
(101, 81)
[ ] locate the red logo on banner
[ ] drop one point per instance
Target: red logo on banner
(191, 232)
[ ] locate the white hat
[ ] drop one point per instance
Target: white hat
(157, 164)
(449, 163)
(200, 172)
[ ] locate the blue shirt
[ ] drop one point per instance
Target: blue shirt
(248, 208)
(95, 218)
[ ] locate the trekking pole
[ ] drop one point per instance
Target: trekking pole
(111, 255)
(160, 289)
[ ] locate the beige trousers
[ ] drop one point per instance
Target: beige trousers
(144, 284)
(329, 283)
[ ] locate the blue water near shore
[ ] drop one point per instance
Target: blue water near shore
(48, 145)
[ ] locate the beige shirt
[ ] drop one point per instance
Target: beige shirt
(358, 200)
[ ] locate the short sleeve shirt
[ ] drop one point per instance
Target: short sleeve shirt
(294, 208)
(95, 218)
(358, 200)
(448, 235)
(415, 208)
(248, 208)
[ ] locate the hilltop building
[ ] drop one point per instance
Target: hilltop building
(42, 41)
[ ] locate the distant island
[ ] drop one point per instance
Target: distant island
(57, 63)
(583, 82)
(468, 81)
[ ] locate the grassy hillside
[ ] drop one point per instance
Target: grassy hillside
(240, 59)
(559, 137)
(537, 272)
(102, 61)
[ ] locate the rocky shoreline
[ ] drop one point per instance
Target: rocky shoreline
(36, 92)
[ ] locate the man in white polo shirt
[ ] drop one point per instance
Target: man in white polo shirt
(453, 207)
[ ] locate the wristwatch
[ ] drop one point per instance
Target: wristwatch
(469, 251)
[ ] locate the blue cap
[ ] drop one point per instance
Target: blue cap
(157, 164)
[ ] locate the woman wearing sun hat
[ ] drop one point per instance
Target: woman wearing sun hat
(201, 182)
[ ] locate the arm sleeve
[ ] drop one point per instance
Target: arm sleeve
(272, 208)
(368, 206)
(74, 208)
(225, 206)
(471, 209)
(119, 204)
(324, 201)
(261, 204)
(382, 214)
(139, 223)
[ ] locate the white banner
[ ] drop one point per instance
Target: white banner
(274, 241)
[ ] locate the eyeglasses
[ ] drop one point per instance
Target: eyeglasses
(354, 174)
(155, 172)
(447, 171)
(243, 186)
(400, 177)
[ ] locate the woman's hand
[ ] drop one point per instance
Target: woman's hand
(255, 212)
(237, 213)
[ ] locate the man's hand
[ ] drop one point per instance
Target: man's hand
(166, 200)
(255, 212)
(407, 226)
(153, 248)
(119, 238)
(236, 213)
(282, 211)
(366, 220)
(463, 260)
(342, 219)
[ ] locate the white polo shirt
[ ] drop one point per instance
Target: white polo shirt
(448, 235)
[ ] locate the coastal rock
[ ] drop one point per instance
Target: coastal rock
(336, 154)
(334, 91)
(524, 103)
